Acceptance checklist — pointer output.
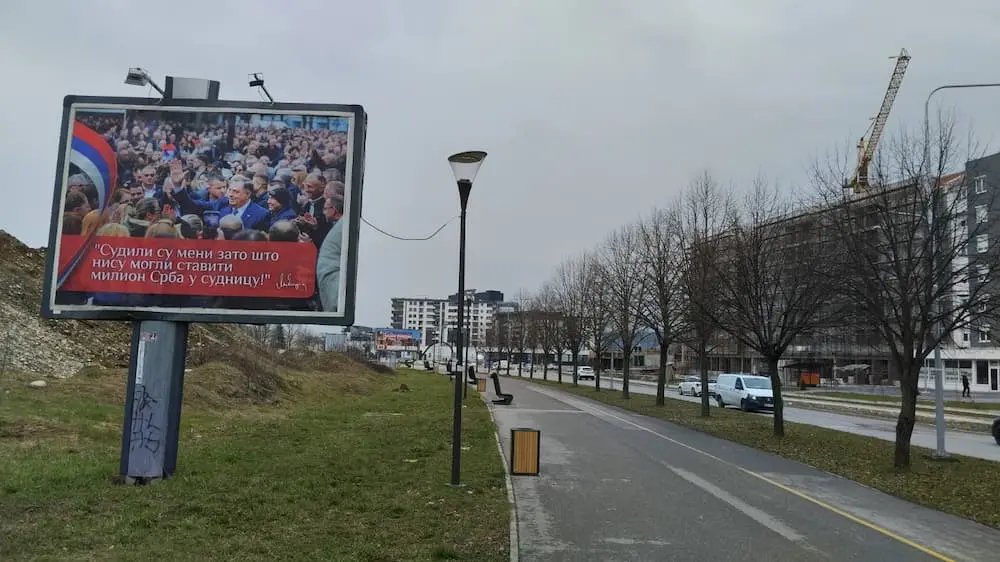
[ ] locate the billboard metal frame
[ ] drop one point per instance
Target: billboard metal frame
(358, 137)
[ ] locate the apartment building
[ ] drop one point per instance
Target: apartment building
(437, 318)
(424, 314)
(973, 350)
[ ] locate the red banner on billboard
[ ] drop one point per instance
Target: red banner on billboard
(190, 267)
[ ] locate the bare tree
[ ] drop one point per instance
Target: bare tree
(707, 212)
(553, 325)
(622, 271)
(294, 333)
(509, 338)
(523, 332)
(310, 340)
(773, 280)
(277, 337)
(662, 307)
(596, 324)
(569, 285)
(545, 324)
(260, 334)
(501, 337)
(491, 341)
(918, 253)
(533, 329)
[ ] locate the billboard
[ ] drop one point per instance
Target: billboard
(205, 211)
(388, 339)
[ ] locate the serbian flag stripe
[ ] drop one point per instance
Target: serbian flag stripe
(92, 154)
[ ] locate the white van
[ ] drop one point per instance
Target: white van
(749, 392)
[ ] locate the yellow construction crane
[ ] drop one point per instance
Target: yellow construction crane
(869, 141)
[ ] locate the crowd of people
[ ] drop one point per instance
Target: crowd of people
(181, 179)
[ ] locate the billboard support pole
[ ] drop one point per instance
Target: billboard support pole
(155, 391)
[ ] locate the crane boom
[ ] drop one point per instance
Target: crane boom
(866, 146)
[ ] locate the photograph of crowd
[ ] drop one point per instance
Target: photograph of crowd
(218, 176)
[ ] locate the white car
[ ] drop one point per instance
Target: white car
(585, 373)
(690, 385)
(749, 392)
(712, 383)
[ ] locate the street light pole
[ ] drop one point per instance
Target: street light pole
(467, 302)
(939, 424)
(464, 165)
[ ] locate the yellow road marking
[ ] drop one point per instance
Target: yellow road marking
(847, 515)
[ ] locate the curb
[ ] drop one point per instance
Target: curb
(514, 538)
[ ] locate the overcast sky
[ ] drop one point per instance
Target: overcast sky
(592, 111)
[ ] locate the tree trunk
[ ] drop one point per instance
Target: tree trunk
(597, 371)
(661, 376)
(703, 359)
(559, 364)
(576, 362)
(779, 404)
(907, 418)
(520, 354)
(626, 361)
(545, 366)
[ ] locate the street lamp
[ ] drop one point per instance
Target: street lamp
(467, 304)
(464, 165)
(939, 426)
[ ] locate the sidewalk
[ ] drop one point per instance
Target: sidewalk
(618, 486)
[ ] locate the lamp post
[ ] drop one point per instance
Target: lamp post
(465, 358)
(467, 332)
(464, 165)
(939, 425)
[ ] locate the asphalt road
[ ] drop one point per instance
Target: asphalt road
(615, 486)
(980, 445)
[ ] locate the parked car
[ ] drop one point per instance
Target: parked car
(585, 373)
(690, 385)
(712, 384)
(750, 392)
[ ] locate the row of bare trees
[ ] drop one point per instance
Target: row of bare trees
(537, 330)
(905, 260)
(283, 336)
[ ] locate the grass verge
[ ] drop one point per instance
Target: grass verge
(965, 486)
(894, 400)
(319, 466)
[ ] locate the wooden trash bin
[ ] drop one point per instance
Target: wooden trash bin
(481, 384)
(525, 451)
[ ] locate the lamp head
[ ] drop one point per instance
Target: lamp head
(465, 165)
(136, 77)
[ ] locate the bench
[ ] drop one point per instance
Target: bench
(505, 399)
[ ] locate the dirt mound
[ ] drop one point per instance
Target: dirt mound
(221, 376)
(311, 360)
(230, 376)
(60, 348)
